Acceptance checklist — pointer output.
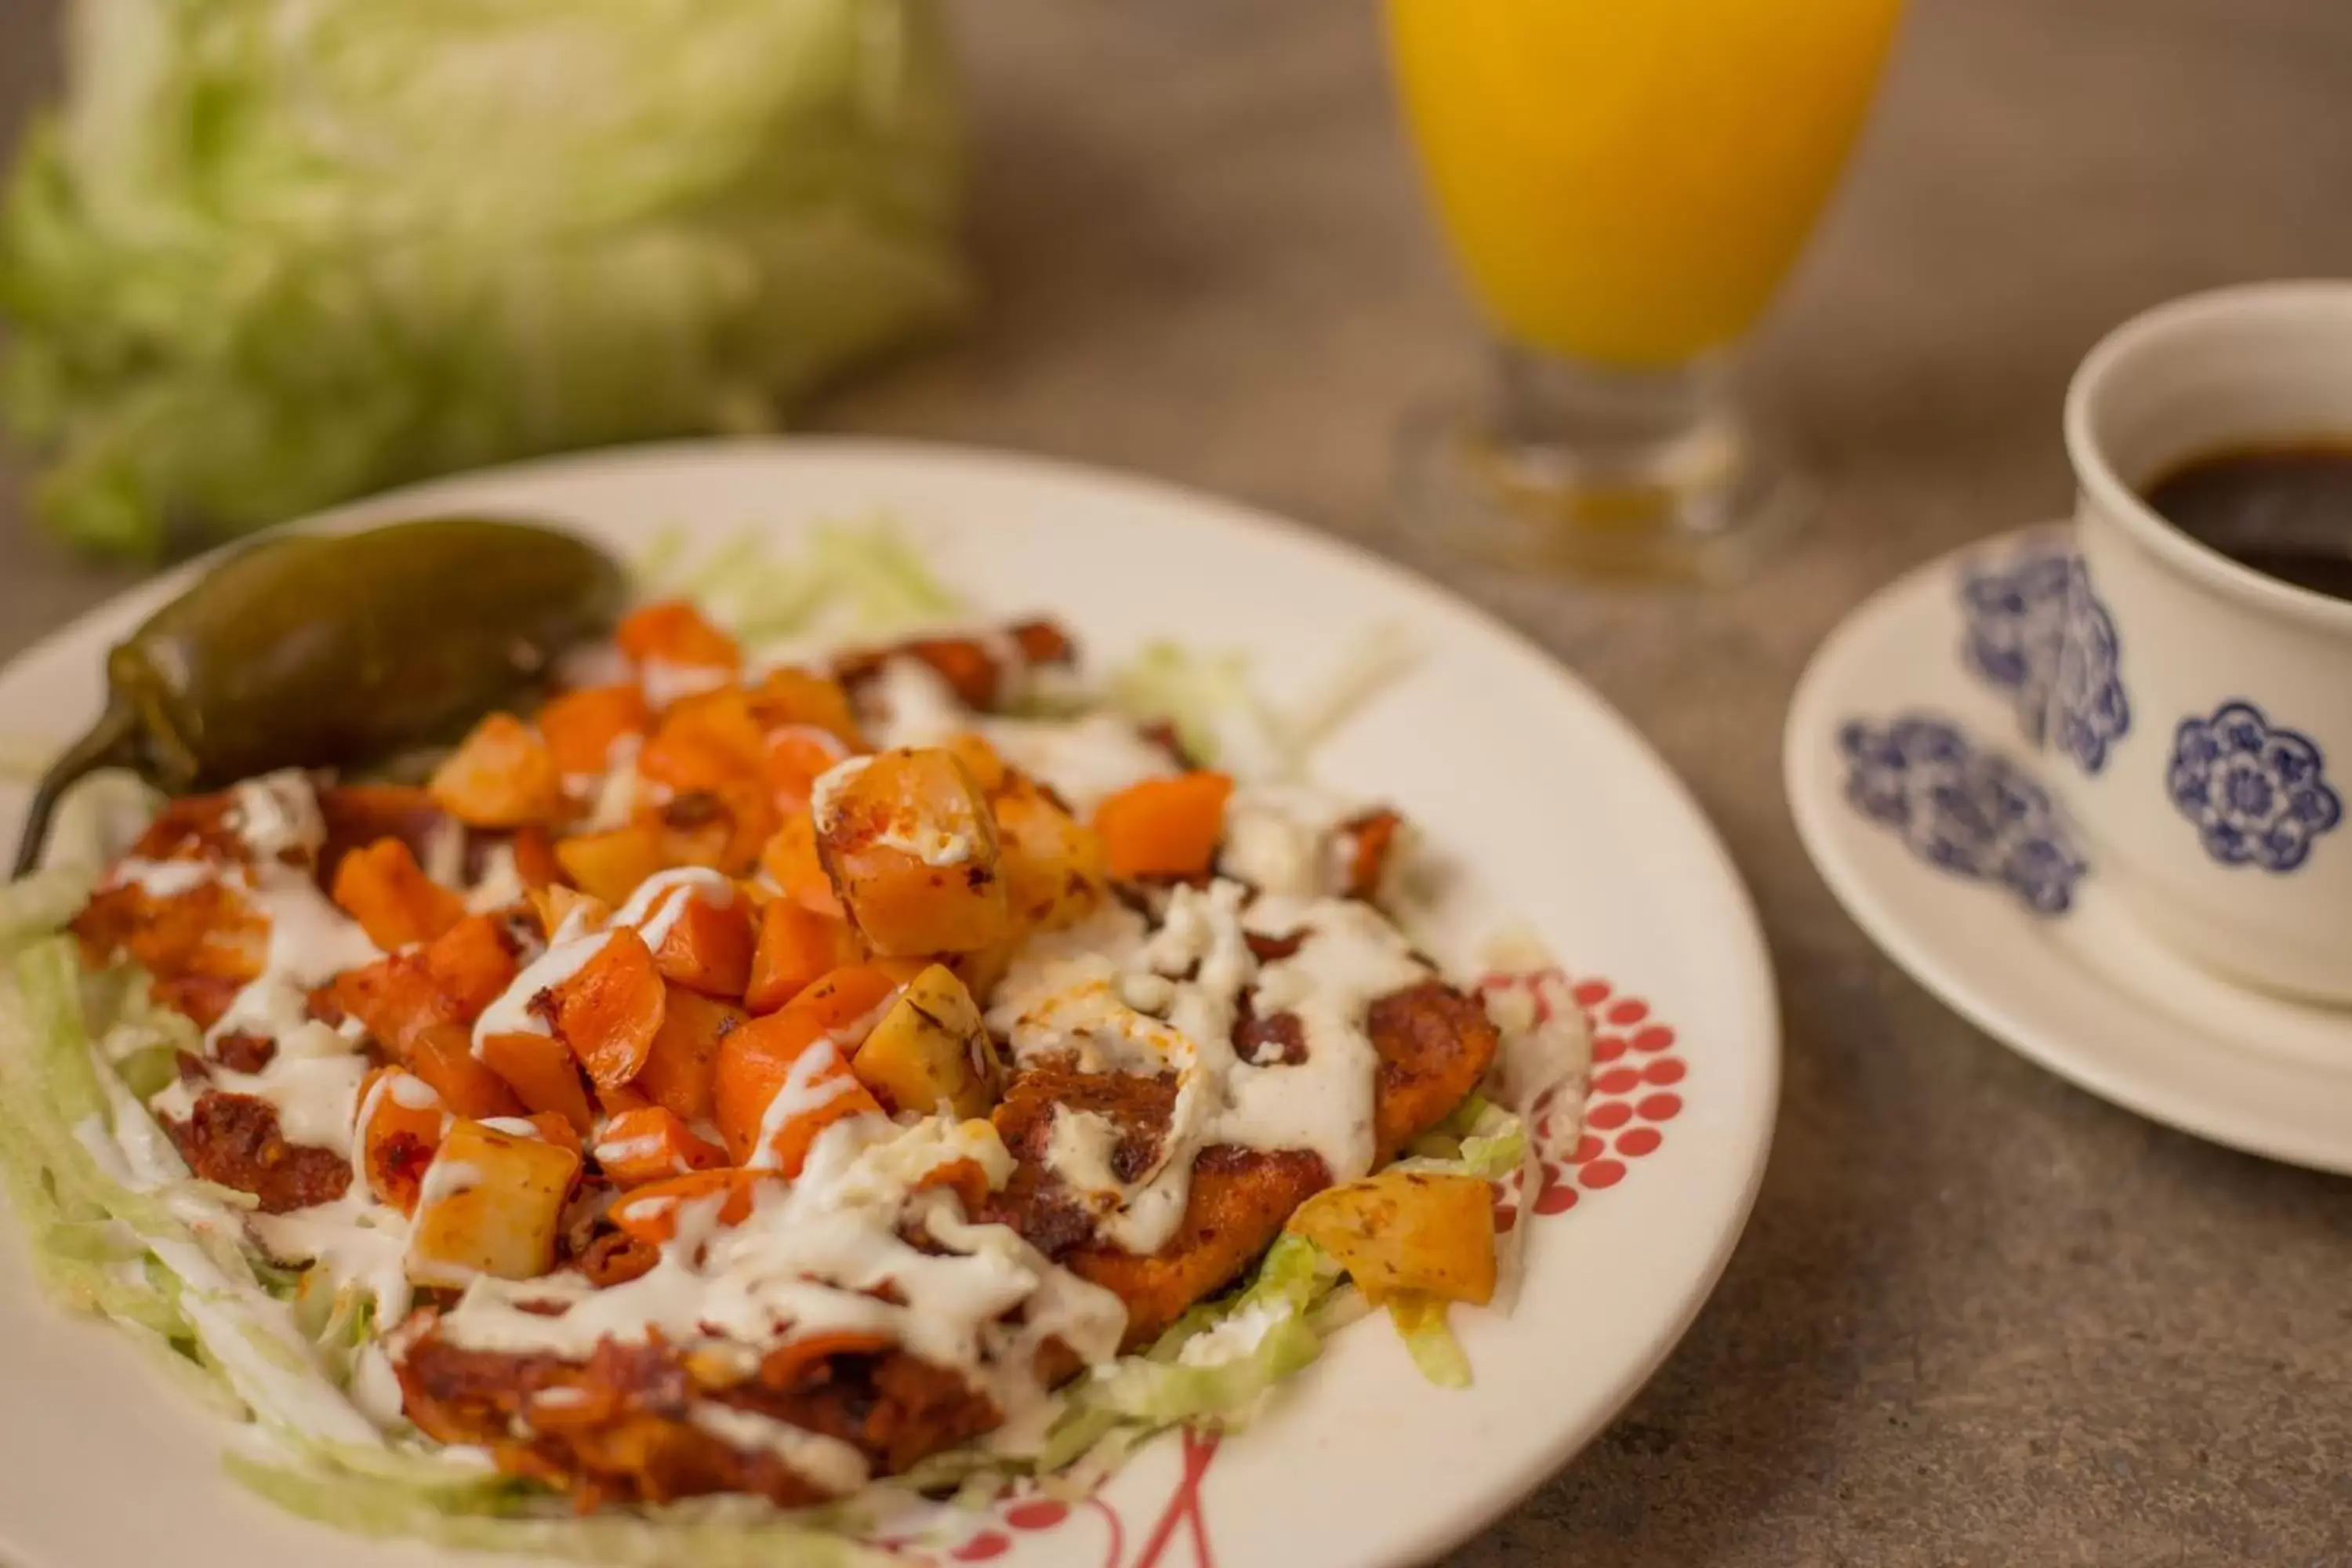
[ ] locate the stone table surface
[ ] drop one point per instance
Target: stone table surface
(1979, 1316)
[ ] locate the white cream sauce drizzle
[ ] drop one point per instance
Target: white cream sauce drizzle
(827, 1462)
(666, 682)
(926, 841)
(612, 796)
(1286, 838)
(654, 910)
(804, 1260)
(353, 1241)
(161, 879)
(312, 1080)
(1083, 760)
(912, 704)
(1116, 999)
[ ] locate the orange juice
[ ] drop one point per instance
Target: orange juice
(1626, 180)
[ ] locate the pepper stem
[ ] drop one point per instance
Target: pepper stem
(112, 742)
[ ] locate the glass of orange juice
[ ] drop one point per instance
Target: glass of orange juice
(1624, 182)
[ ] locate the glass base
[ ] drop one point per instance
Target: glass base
(1600, 473)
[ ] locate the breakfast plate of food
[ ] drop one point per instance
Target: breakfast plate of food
(835, 1000)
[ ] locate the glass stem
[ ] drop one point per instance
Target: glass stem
(1610, 425)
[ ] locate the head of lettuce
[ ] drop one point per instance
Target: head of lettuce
(270, 253)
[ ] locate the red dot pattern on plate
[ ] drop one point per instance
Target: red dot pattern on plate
(1575, 1160)
(1042, 1513)
(1637, 1142)
(1581, 1154)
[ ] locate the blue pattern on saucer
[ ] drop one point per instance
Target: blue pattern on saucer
(1966, 809)
(2255, 790)
(2013, 604)
(2088, 706)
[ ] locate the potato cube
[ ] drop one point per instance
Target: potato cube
(931, 1048)
(1407, 1231)
(912, 848)
(491, 1203)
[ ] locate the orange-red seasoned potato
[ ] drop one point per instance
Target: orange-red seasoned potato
(911, 849)
(501, 775)
(1052, 863)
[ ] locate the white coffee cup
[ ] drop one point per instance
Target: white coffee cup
(2202, 735)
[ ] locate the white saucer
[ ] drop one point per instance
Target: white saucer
(1967, 878)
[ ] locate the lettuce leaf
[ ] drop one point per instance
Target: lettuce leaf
(267, 254)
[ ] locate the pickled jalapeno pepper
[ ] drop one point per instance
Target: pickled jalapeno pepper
(332, 651)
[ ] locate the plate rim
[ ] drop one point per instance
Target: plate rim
(1744, 936)
(1823, 834)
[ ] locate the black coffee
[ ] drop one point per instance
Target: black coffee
(2286, 511)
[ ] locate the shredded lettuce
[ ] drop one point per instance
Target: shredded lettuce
(1212, 701)
(269, 254)
(1429, 1339)
(854, 578)
(500, 1516)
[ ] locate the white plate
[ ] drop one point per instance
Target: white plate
(2080, 989)
(1548, 804)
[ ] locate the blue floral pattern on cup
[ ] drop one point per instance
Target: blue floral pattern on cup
(1964, 808)
(2013, 604)
(2255, 790)
(2088, 710)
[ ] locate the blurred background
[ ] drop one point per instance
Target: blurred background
(1200, 252)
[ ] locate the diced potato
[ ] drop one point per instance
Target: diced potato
(723, 827)
(1164, 827)
(788, 695)
(501, 775)
(931, 1046)
(796, 947)
(381, 887)
(492, 1204)
(400, 1129)
(534, 858)
(610, 865)
(912, 848)
(797, 756)
(982, 760)
(556, 905)
(472, 963)
(1397, 1231)
(543, 1074)
(442, 1055)
(649, 1214)
(582, 726)
(653, 1144)
(671, 631)
(609, 1011)
(1052, 863)
(790, 857)
(762, 1059)
(707, 945)
(685, 1053)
